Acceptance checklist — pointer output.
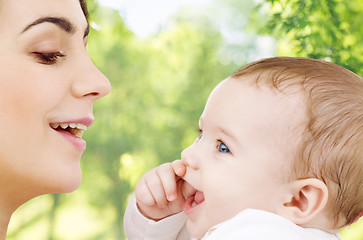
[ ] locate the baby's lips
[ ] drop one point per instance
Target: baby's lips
(199, 197)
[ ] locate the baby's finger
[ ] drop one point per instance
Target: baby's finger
(187, 190)
(143, 194)
(180, 188)
(177, 205)
(168, 181)
(155, 186)
(179, 167)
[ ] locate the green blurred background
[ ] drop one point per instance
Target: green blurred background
(160, 83)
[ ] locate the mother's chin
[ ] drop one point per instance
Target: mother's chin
(66, 184)
(62, 181)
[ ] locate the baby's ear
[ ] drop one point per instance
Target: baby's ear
(307, 198)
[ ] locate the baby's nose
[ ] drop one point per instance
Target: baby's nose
(190, 158)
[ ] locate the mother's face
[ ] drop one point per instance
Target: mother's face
(46, 80)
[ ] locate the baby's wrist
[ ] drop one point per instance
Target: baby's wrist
(148, 215)
(154, 217)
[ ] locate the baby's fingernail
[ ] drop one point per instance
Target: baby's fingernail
(171, 197)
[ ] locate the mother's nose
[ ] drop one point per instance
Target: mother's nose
(89, 81)
(190, 157)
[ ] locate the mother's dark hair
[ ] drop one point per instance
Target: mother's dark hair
(84, 7)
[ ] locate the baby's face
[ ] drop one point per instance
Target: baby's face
(243, 157)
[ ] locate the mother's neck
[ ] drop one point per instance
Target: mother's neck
(4, 222)
(10, 200)
(6, 211)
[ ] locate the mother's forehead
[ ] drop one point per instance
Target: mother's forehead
(22, 11)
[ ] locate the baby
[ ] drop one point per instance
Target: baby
(280, 156)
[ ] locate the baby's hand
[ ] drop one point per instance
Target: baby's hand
(158, 193)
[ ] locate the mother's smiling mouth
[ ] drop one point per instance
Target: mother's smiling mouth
(76, 129)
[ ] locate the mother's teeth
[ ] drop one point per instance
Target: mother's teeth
(77, 132)
(80, 126)
(54, 125)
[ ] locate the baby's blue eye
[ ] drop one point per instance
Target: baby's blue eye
(223, 148)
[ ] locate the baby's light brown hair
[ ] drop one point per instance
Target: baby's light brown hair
(332, 142)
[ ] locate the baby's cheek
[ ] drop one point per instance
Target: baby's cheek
(219, 206)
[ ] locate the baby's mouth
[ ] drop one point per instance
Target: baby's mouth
(76, 129)
(197, 198)
(193, 201)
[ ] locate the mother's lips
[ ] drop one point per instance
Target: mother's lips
(77, 129)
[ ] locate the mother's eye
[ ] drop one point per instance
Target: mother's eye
(48, 58)
(223, 148)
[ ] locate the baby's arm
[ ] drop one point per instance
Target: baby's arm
(154, 211)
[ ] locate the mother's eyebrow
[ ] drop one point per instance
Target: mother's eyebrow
(62, 23)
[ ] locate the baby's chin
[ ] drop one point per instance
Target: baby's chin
(197, 230)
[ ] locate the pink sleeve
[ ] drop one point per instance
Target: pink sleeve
(137, 227)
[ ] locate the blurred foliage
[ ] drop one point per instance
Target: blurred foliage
(159, 88)
(322, 29)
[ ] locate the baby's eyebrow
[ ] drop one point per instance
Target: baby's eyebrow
(230, 135)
